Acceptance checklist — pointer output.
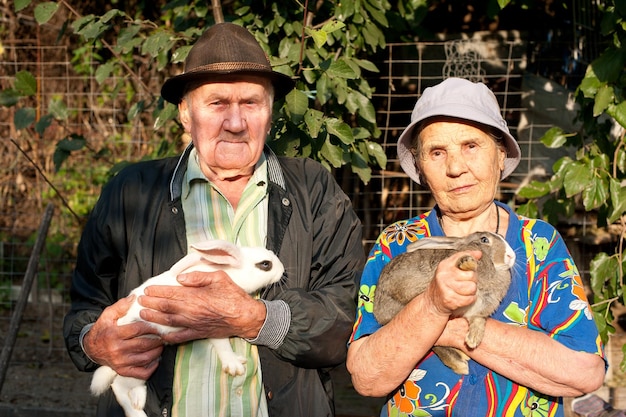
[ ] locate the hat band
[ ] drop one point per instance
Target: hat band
(231, 66)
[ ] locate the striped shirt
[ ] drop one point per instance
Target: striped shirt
(201, 388)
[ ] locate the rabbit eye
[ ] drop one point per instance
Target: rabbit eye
(484, 239)
(264, 265)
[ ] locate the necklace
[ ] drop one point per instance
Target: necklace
(440, 218)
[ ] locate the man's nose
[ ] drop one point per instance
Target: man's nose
(235, 120)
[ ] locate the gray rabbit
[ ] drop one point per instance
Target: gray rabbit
(409, 274)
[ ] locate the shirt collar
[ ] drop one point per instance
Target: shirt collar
(194, 172)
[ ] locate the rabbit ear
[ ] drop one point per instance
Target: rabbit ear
(219, 252)
(433, 242)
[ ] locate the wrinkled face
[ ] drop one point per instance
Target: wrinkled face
(228, 122)
(461, 164)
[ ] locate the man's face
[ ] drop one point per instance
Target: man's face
(228, 122)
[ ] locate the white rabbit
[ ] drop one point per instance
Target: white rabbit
(252, 268)
(409, 274)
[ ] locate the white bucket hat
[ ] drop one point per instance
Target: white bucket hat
(462, 99)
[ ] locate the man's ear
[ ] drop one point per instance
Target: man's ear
(183, 114)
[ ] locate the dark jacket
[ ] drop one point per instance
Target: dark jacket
(137, 230)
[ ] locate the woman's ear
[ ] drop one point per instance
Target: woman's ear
(501, 158)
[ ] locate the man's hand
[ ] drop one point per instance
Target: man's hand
(208, 305)
(130, 349)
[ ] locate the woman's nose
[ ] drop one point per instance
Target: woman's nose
(455, 164)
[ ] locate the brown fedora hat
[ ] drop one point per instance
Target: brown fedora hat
(226, 48)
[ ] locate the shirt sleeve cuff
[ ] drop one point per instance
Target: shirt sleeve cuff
(83, 332)
(276, 325)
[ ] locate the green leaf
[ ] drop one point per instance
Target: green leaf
(24, 117)
(9, 97)
(319, 37)
(80, 23)
(332, 153)
(157, 42)
(362, 105)
(602, 269)
(341, 69)
(297, 104)
(340, 129)
(619, 113)
(528, 209)
(376, 13)
(20, 5)
(367, 65)
(71, 143)
(333, 26)
(373, 36)
(604, 97)
(128, 39)
(590, 84)
(377, 151)
(359, 166)
(43, 123)
(45, 11)
(595, 194)
(59, 157)
(314, 119)
(136, 109)
(92, 30)
(58, 109)
(168, 112)
(103, 72)
(577, 178)
(111, 14)
(555, 137)
(610, 65)
(618, 200)
(65, 147)
(180, 54)
(25, 83)
(601, 323)
(534, 189)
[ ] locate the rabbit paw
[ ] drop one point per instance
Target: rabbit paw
(234, 365)
(453, 359)
(476, 332)
(467, 263)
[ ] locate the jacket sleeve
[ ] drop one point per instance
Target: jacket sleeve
(95, 276)
(323, 255)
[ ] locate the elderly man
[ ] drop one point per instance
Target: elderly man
(226, 185)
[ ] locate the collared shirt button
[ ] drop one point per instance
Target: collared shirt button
(239, 391)
(175, 210)
(286, 202)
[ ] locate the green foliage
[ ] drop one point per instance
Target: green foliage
(596, 177)
(330, 117)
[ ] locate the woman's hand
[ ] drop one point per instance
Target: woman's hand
(131, 350)
(452, 288)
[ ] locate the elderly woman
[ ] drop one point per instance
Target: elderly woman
(539, 346)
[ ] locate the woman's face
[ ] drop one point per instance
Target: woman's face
(461, 164)
(228, 123)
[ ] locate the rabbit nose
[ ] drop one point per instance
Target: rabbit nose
(509, 258)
